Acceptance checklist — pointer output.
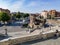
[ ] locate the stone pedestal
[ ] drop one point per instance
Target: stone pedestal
(44, 36)
(57, 34)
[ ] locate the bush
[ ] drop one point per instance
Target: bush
(25, 25)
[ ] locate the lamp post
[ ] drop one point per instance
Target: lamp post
(28, 29)
(5, 30)
(50, 25)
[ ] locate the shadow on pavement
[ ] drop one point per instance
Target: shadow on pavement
(4, 37)
(38, 40)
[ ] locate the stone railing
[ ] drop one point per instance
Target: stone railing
(13, 41)
(17, 40)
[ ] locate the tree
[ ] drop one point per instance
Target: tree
(18, 15)
(53, 16)
(4, 17)
(49, 16)
(25, 15)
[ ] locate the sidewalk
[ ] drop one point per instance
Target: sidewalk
(15, 35)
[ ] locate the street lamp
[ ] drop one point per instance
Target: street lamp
(5, 30)
(50, 26)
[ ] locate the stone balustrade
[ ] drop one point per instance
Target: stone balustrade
(13, 41)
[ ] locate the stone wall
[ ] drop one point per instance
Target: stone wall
(20, 40)
(27, 38)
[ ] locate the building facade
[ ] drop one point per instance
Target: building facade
(5, 10)
(44, 14)
(53, 13)
(58, 14)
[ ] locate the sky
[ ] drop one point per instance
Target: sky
(30, 6)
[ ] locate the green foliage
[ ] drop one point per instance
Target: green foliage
(18, 15)
(52, 17)
(4, 16)
(49, 16)
(25, 15)
(25, 25)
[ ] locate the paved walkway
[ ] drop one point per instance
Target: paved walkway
(14, 35)
(24, 33)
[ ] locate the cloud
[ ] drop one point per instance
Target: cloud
(33, 3)
(29, 5)
(3, 4)
(11, 5)
(16, 5)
